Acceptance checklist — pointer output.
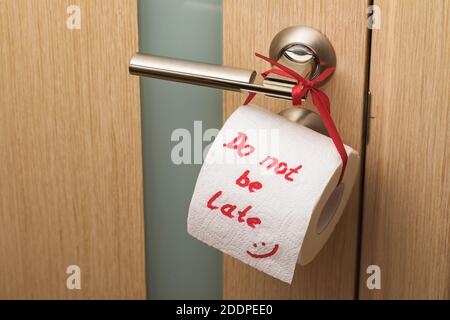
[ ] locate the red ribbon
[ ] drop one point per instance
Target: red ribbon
(319, 98)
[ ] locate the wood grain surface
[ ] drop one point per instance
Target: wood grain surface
(406, 224)
(70, 151)
(249, 26)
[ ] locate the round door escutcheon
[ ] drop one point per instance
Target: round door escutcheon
(303, 49)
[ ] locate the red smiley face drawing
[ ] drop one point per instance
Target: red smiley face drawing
(263, 255)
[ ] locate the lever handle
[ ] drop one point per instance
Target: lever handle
(303, 49)
(190, 72)
(226, 78)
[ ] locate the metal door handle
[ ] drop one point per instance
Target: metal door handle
(226, 78)
(301, 48)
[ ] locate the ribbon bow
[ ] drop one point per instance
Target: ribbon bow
(319, 98)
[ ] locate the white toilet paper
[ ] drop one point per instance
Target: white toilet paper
(267, 193)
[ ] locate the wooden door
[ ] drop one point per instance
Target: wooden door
(406, 220)
(70, 151)
(249, 26)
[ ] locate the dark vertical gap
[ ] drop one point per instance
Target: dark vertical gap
(365, 137)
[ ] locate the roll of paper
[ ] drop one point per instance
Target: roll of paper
(268, 193)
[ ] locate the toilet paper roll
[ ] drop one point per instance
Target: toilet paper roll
(268, 192)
